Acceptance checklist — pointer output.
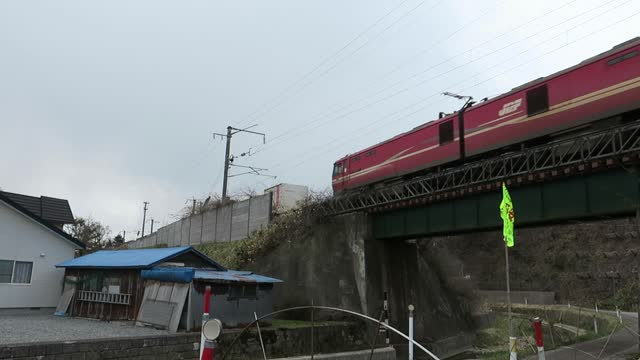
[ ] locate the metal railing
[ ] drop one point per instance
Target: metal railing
(616, 143)
(102, 297)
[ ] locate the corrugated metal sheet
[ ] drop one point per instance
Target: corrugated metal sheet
(233, 276)
(132, 259)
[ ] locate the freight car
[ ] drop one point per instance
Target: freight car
(606, 86)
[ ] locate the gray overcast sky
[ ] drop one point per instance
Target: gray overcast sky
(112, 103)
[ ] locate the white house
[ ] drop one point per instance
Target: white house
(30, 246)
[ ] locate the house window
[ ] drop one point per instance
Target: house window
(15, 272)
(6, 271)
(22, 272)
(537, 100)
(446, 132)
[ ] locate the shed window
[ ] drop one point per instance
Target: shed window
(537, 100)
(446, 132)
(243, 292)
(6, 271)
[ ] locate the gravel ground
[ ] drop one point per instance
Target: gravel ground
(37, 328)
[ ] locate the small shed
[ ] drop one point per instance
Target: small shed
(235, 295)
(161, 287)
(106, 284)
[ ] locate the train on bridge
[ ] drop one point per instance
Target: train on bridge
(600, 91)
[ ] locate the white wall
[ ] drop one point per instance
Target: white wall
(287, 196)
(23, 239)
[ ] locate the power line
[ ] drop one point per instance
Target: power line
(291, 167)
(298, 131)
(228, 158)
(398, 92)
(252, 116)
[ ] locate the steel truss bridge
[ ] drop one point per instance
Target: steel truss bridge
(614, 147)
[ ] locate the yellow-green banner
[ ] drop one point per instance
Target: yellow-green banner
(508, 217)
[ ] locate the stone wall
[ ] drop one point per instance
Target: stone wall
(182, 346)
(582, 262)
(278, 343)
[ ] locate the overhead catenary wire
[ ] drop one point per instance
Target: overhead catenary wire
(269, 103)
(322, 116)
(304, 159)
(408, 88)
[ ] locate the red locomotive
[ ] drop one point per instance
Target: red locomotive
(606, 86)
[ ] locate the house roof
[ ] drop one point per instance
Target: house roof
(50, 209)
(9, 201)
(133, 258)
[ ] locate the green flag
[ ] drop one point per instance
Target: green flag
(508, 217)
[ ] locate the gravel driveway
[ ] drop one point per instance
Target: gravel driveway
(37, 328)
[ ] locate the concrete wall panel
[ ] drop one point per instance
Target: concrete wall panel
(239, 220)
(223, 230)
(209, 226)
(184, 231)
(232, 222)
(174, 234)
(195, 234)
(259, 212)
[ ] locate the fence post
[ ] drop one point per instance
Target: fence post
(537, 327)
(411, 308)
(205, 318)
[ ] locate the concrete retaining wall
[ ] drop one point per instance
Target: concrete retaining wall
(227, 223)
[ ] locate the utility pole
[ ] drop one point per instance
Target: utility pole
(124, 235)
(144, 216)
(193, 209)
(226, 163)
(228, 159)
(152, 220)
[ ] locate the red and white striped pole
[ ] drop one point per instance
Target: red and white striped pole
(211, 331)
(537, 327)
(209, 351)
(205, 317)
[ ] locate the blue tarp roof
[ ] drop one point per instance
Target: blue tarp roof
(133, 259)
(188, 274)
(233, 276)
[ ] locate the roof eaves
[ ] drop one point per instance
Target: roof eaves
(43, 222)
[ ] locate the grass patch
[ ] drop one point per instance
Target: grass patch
(491, 343)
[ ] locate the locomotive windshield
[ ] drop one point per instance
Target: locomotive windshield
(337, 169)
